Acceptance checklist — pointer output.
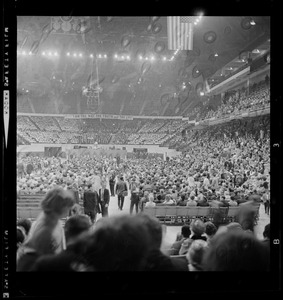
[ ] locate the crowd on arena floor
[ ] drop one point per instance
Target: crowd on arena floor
(226, 165)
(217, 171)
(133, 242)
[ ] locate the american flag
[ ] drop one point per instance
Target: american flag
(180, 33)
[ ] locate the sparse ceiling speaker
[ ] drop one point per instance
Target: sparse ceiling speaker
(210, 37)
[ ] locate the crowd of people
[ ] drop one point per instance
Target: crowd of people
(234, 102)
(132, 243)
(212, 173)
(220, 166)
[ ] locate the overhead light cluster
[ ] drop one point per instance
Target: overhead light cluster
(44, 53)
(121, 57)
(197, 20)
(102, 56)
(174, 54)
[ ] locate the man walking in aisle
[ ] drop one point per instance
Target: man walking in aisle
(103, 199)
(121, 192)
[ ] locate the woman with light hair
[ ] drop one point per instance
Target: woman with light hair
(46, 235)
(150, 202)
(195, 255)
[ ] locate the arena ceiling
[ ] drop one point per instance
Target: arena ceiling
(59, 57)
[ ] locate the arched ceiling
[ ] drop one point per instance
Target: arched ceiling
(131, 86)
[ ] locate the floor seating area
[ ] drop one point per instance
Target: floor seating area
(177, 215)
(28, 206)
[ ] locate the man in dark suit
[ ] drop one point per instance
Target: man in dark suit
(91, 207)
(112, 184)
(103, 199)
(121, 188)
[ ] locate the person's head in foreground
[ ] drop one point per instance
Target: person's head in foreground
(236, 250)
(118, 243)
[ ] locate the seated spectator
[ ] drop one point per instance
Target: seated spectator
(191, 201)
(182, 201)
(150, 202)
(21, 236)
(118, 243)
(195, 255)
(246, 217)
(26, 224)
(233, 226)
(148, 187)
(184, 234)
(174, 195)
(255, 196)
(197, 233)
(232, 203)
(67, 260)
(240, 251)
(223, 202)
(203, 202)
(76, 210)
(266, 235)
(168, 201)
(161, 197)
(46, 235)
(144, 199)
(156, 260)
(210, 230)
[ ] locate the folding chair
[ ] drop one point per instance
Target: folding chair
(192, 212)
(232, 213)
(161, 213)
(203, 213)
(151, 211)
(182, 213)
(171, 213)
